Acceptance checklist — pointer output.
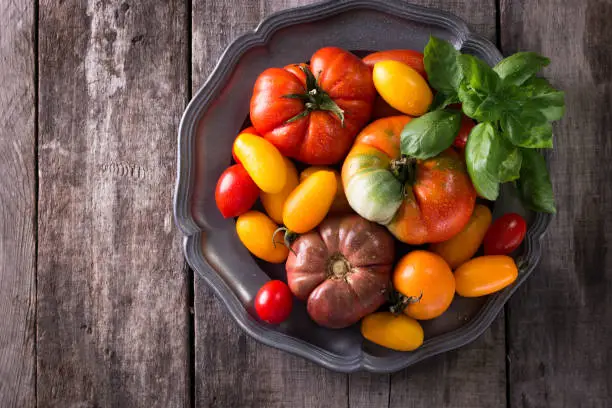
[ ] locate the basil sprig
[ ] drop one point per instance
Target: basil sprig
(514, 109)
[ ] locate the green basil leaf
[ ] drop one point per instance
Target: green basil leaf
(510, 167)
(429, 135)
(479, 160)
(478, 74)
(538, 94)
(479, 106)
(440, 60)
(442, 100)
(519, 67)
(535, 185)
(527, 128)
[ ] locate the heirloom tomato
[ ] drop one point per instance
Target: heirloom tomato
(420, 201)
(313, 112)
(413, 59)
(340, 204)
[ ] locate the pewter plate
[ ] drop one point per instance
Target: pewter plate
(216, 114)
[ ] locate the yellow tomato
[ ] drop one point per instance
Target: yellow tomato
(256, 231)
(485, 275)
(310, 202)
(465, 244)
(402, 87)
(397, 332)
(262, 161)
(273, 203)
(340, 204)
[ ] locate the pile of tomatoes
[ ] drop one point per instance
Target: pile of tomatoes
(339, 120)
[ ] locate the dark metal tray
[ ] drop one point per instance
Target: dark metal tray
(216, 114)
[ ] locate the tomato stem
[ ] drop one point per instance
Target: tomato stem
(404, 169)
(315, 98)
(399, 302)
(288, 239)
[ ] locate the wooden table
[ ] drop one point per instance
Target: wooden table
(99, 309)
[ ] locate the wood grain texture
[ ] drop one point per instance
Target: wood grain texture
(232, 369)
(18, 204)
(560, 339)
(112, 306)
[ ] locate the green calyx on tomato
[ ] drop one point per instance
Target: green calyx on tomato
(315, 98)
(514, 108)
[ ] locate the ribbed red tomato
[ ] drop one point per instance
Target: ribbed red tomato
(313, 113)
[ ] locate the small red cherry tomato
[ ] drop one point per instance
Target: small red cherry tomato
(505, 235)
(274, 302)
(464, 131)
(250, 130)
(236, 192)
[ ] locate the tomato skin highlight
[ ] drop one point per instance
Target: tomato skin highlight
(424, 275)
(467, 124)
(460, 248)
(262, 161)
(485, 275)
(236, 192)
(310, 202)
(255, 230)
(505, 234)
(274, 302)
(396, 332)
(402, 87)
(274, 203)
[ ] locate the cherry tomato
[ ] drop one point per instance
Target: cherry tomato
(426, 278)
(310, 201)
(402, 87)
(485, 275)
(505, 235)
(274, 302)
(236, 191)
(464, 131)
(262, 161)
(397, 332)
(274, 203)
(250, 130)
(256, 230)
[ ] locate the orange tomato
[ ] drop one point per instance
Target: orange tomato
(273, 203)
(465, 244)
(397, 332)
(426, 275)
(340, 204)
(256, 231)
(310, 202)
(402, 87)
(485, 275)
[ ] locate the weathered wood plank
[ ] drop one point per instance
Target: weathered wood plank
(233, 370)
(475, 375)
(18, 209)
(112, 297)
(560, 340)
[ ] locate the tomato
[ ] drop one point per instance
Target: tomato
(432, 204)
(236, 192)
(402, 87)
(250, 130)
(485, 275)
(505, 235)
(465, 244)
(397, 332)
(330, 104)
(256, 232)
(274, 203)
(262, 161)
(427, 277)
(273, 302)
(467, 124)
(340, 204)
(413, 59)
(310, 202)
(341, 270)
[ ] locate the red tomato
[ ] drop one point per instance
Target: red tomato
(413, 59)
(505, 235)
(464, 131)
(250, 130)
(274, 302)
(236, 192)
(313, 113)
